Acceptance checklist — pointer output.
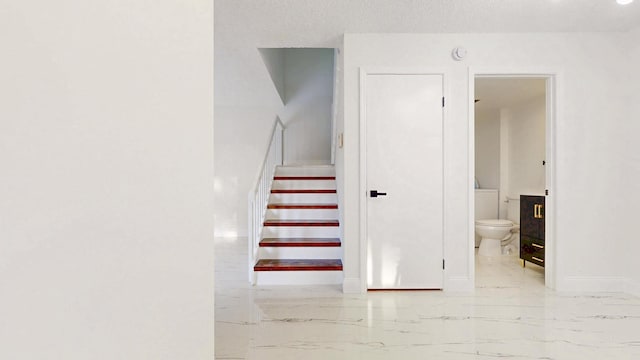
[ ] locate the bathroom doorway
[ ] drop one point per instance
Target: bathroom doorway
(512, 118)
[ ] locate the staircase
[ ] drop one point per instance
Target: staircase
(300, 242)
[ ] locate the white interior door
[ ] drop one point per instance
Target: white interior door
(403, 120)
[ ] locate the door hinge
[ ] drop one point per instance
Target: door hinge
(546, 192)
(443, 101)
(442, 264)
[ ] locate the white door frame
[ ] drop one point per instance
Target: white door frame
(363, 195)
(554, 84)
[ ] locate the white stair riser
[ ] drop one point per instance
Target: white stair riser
(298, 277)
(303, 199)
(301, 232)
(302, 214)
(300, 253)
(319, 170)
(303, 184)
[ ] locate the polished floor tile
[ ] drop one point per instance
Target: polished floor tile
(510, 315)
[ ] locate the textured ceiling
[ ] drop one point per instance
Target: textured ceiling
(322, 22)
(242, 26)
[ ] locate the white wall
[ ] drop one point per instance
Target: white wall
(106, 151)
(505, 116)
(274, 61)
(241, 138)
(350, 284)
(628, 174)
(243, 129)
(594, 100)
(246, 105)
(487, 148)
(526, 127)
(308, 105)
(245, 110)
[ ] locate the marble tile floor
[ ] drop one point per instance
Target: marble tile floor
(510, 315)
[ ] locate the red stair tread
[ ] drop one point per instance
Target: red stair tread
(301, 223)
(304, 178)
(303, 191)
(298, 265)
(300, 242)
(302, 206)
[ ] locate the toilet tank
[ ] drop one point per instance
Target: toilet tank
(486, 204)
(513, 209)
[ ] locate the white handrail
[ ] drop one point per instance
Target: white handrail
(259, 194)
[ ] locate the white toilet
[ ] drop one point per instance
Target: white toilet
(497, 235)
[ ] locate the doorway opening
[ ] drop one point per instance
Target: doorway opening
(511, 232)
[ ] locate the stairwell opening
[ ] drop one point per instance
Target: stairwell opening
(305, 79)
(297, 235)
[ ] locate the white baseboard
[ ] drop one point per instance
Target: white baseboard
(592, 284)
(352, 286)
(453, 284)
(458, 284)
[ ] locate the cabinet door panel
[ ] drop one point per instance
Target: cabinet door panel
(529, 224)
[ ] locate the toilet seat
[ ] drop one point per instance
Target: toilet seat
(495, 222)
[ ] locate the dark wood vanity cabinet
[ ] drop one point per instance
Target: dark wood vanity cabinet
(532, 229)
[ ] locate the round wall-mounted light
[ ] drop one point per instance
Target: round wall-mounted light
(624, 2)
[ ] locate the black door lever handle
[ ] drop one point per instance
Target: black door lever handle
(375, 193)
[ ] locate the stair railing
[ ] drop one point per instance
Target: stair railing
(259, 195)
